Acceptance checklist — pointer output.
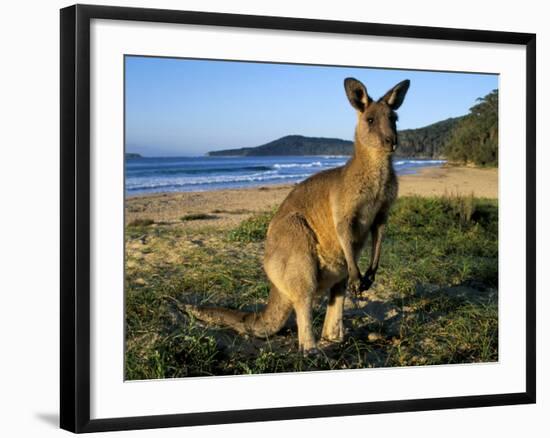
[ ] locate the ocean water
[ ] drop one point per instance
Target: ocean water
(185, 174)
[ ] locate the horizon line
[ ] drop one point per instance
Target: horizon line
(287, 135)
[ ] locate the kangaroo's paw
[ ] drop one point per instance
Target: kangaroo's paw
(354, 286)
(366, 281)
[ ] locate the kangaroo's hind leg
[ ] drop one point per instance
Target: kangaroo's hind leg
(296, 279)
(291, 265)
(306, 338)
(300, 291)
(333, 328)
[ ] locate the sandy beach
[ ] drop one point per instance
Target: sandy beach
(226, 208)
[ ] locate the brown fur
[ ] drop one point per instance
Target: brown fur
(316, 237)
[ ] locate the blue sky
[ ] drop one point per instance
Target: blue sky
(179, 107)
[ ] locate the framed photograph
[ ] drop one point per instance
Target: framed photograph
(267, 218)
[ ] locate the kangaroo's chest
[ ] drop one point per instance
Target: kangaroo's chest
(373, 198)
(376, 199)
(362, 223)
(366, 212)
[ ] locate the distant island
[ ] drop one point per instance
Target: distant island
(426, 142)
(129, 155)
(293, 145)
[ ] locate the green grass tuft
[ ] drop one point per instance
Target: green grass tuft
(253, 229)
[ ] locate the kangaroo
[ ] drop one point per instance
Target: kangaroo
(316, 236)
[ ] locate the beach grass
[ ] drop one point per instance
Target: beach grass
(434, 300)
(197, 217)
(141, 222)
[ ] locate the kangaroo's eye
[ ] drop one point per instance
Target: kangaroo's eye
(370, 120)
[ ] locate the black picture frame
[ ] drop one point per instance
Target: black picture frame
(75, 217)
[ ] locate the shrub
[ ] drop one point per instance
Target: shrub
(196, 217)
(141, 222)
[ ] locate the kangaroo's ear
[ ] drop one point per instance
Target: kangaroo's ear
(395, 97)
(357, 94)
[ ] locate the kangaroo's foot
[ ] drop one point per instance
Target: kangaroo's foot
(333, 333)
(333, 327)
(312, 351)
(307, 345)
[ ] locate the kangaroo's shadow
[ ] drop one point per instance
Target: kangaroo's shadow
(375, 322)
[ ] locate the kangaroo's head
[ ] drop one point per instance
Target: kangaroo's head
(376, 122)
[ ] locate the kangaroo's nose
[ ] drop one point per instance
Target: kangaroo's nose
(391, 141)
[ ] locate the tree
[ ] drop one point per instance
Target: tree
(475, 138)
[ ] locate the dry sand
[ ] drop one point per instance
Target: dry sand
(226, 208)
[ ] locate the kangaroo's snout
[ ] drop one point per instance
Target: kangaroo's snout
(391, 141)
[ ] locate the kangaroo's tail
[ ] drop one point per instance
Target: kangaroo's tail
(261, 324)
